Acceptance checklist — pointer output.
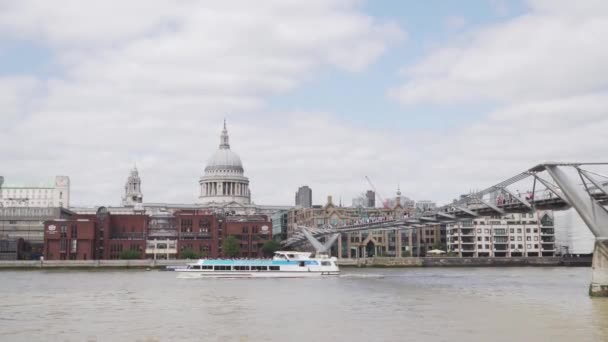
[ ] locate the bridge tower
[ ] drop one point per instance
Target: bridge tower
(593, 214)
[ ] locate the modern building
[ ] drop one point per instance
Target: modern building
(572, 236)
(512, 235)
(133, 195)
(27, 223)
(279, 225)
(56, 195)
(224, 180)
(366, 200)
(304, 197)
(370, 197)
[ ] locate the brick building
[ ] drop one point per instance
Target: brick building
(160, 236)
(69, 239)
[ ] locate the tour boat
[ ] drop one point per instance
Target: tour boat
(282, 265)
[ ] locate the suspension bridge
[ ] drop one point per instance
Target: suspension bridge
(554, 186)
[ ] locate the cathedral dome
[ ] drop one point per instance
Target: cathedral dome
(224, 160)
(224, 180)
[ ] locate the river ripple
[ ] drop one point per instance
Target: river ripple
(424, 304)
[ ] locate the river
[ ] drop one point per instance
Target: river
(407, 304)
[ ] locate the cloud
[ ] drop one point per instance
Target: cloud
(552, 51)
(150, 81)
(544, 73)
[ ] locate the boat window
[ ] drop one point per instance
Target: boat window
(274, 268)
(301, 264)
(222, 268)
(259, 268)
(241, 268)
(325, 263)
(291, 256)
(207, 267)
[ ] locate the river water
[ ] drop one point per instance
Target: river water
(410, 304)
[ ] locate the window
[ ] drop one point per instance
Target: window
(519, 230)
(529, 246)
(536, 246)
(479, 231)
(259, 268)
(536, 238)
(528, 230)
(487, 231)
(487, 238)
(241, 268)
(222, 268)
(479, 246)
(519, 238)
(274, 268)
(512, 238)
(487, 246)
(245, 230)
(512, 230)
(479, 238)
(74, 232)
(207, 267)
(520, 246)
(528, 238)
(512, 246)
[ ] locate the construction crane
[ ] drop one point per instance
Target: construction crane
(384, 204)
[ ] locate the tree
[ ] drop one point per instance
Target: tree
(188, 253)
(270, 247)
(231, 247)
(440, 246)
(129, 254)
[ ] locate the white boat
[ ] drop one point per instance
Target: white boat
(282, 265)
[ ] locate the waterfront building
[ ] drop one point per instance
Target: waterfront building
(512, 235)
(304, 197)
(55, 195)
(133, 195)
(279, 225)
(27, 223)
(224, 180)
(572, 236)
(159, 236)
(367, 243)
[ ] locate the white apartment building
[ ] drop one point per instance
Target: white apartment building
(512, 235)
(56, 195)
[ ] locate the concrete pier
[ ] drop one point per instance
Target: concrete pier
(599, 275)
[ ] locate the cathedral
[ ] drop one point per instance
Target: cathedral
(224, 180)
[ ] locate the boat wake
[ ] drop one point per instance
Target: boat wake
(367, 275)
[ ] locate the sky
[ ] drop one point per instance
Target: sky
(436, 98)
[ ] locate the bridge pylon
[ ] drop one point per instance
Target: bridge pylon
(593, 214)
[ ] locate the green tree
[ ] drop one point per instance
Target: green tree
(188, 253)
(231, 247)
(270, 247)
(440, 246)
(129, 254)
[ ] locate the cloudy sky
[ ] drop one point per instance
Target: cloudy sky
(437, 97)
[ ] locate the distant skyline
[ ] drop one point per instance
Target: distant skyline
(434, 97)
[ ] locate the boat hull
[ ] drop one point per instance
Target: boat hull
(195, 274)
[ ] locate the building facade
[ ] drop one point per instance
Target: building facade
(304, 197)
(56, 195)
(395, 242)
(512, 235)
(158, 236)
